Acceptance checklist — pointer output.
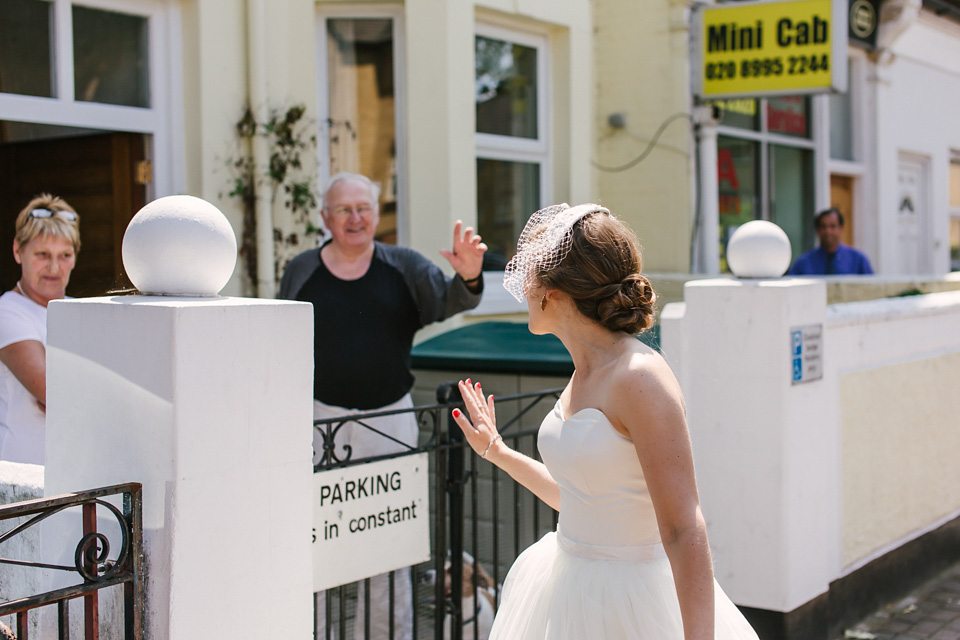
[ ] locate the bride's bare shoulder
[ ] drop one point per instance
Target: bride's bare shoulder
(644, 375)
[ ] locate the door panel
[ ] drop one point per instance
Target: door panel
(841, 198)
(913, 245)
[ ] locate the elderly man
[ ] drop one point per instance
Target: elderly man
(832, 257)
(369, 300)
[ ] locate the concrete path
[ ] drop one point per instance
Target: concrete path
(932, 612)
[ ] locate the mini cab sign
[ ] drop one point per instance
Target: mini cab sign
(751, 49)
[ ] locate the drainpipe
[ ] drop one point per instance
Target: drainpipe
(258, 95)
(706, 119)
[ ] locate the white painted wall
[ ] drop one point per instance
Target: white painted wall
(915, 91)
(20, 482)
(802, 484)
(191, 398)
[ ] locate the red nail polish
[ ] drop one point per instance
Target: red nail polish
(456, 413)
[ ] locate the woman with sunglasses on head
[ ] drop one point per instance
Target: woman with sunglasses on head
(45, 246)
(630, 557)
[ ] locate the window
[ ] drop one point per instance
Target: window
(110, 61)
(841, 121)
(955, 213)
(512, 152)
(361, 104)
(26, 48)
(765, 154)
(90, 66)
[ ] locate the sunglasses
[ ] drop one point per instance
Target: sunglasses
(47, 213)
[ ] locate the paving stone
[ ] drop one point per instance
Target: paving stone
(931, 612)
(941, 614)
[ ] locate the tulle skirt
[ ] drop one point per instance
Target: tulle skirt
(560, 590)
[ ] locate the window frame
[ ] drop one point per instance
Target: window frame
(491, 146)
(371, 11)
(64, 110)
(537, 150)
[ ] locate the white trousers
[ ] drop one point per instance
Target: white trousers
(365, 443)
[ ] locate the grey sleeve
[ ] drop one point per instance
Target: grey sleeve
(437, 296)
(297, 273)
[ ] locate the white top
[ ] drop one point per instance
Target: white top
(603, 495)
(22, 423)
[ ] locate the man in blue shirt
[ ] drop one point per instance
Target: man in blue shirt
(831, 257)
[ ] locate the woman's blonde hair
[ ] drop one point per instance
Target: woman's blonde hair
(30, 226)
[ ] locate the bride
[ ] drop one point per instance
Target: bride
(630, 557)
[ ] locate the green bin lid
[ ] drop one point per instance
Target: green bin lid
(500, 347)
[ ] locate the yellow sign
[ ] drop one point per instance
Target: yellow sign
(771, 48)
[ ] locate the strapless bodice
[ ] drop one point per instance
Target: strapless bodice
(603, 494)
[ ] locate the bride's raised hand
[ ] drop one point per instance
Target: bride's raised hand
(480, 429)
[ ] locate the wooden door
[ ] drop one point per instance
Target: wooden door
(841, 197)
(97, 175)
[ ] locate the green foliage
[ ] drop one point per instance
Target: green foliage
(908, 292)
(289, 135)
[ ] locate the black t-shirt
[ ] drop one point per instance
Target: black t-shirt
(364, 328)
(363, 332)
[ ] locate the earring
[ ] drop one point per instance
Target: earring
(543, 302)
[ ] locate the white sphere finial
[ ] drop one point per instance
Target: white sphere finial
(758, 249)
(179, 246)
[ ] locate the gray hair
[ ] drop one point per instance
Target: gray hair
(358, 177)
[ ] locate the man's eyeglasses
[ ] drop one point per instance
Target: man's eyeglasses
(345, 211)
(47, 213)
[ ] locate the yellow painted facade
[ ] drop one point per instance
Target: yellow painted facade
(642, 72)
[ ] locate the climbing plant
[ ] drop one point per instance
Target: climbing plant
(289, 136)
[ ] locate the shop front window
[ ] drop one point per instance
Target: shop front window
(841, 122)
(742, 113)
(737, 162)
(789, 116)
(765, 152)
(791, 194)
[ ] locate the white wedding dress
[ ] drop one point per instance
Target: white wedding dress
(603, 575)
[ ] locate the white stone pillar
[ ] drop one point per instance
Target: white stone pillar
(207, 403)
(766, 450)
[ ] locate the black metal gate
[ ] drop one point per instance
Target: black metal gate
(94, 564)
(475, 507)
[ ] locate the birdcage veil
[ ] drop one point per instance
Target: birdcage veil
(543, 244)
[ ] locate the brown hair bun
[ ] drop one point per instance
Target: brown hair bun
(601, 273)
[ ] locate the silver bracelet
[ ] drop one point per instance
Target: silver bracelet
(487, 450)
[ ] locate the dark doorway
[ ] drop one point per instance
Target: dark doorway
(102, 175)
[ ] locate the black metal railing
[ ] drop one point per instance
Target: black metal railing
(94, 563)
(475, 507)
